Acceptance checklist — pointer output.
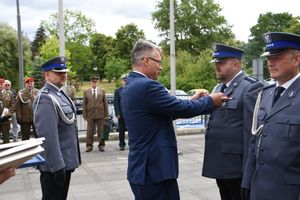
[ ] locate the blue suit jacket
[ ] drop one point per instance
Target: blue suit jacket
(229, 130)
(273, 166)
(149, 111)
(61, 144)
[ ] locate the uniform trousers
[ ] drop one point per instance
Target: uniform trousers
(230, 189)
(91, 126)
(52, 191)
(165, 190)
(4, 128)
(25, 130)
(122, 129)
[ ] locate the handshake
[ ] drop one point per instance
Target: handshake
(218, 98)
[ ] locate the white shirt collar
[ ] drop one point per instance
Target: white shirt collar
(140, 73)
(59, 89)
(228, 83)
(287, 84)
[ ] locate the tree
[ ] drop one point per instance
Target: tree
(39, 40)
(268, 22)
(78, 27)
(9, 63)
(198, 24)
(114, 68)
(102, 48)
(51, 49)
(126, 37)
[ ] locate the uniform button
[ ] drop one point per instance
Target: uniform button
(261, 148)
(262, 162)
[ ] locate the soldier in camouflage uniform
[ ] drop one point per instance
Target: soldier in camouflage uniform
(24, 102)
(7, 102)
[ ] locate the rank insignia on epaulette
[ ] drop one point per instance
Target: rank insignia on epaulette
(251, 79)
(46, 90)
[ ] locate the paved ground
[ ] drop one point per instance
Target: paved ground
(102, 175)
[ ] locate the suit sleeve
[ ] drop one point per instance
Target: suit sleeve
(117, 102)
(161, 102)
(105, 105)
(46, 124)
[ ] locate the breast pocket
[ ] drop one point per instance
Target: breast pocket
(289, 126)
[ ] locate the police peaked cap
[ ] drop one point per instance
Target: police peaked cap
(222, 51)
(57, 64)
(277, 42)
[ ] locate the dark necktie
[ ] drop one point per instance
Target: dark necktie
(94, 93)
(278, 93)
(223, 87)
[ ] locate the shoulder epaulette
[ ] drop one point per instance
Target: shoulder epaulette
(268, 86)
(251, 79)
(46, 90)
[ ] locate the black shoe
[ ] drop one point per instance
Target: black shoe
(88, 149)
(101, 148)
(122, 148)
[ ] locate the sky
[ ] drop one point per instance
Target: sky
(110, 15)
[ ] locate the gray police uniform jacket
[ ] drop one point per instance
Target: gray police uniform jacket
(273, 166)
(229, 129)
(61, 144)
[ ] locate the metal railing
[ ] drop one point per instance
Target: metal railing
(198, 121)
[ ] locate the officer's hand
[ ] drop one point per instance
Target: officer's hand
(218, 98)
(60, 178)
(245, 194)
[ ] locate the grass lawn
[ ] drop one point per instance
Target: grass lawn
(104, 84)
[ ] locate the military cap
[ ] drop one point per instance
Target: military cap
(2, 80)
(57, 64)
(92, 78)
(222, 51)
(277, 42)
(28, 79)
(124, 76)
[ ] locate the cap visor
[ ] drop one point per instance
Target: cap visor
(61, 70)
(215, 60)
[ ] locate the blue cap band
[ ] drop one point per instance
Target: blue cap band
(56, 65)
(282, 45)
(225, 54)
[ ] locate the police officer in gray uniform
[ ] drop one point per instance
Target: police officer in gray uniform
(55, 119)
(229, 128)
(272, 171)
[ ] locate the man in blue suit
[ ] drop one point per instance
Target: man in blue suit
(54, 116)
(273, 167)
(149, 111)
(229, 129)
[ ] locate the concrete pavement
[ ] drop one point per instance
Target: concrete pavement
(102, 175)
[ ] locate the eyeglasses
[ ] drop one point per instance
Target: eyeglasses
(157, 61)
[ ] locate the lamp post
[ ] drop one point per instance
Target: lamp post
(20, 48)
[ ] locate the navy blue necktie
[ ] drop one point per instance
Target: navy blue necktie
(223, 87)
(278, 93)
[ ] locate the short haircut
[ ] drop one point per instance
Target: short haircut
(142, 48)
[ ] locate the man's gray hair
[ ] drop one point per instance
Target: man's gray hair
(143, 48)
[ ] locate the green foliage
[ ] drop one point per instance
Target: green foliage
(126, 37)
(198, 24)
(39, 40)
(191, 71)
(115, 67)
(9, 63)
(51, 49)
(102, 48)
(78, 27)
